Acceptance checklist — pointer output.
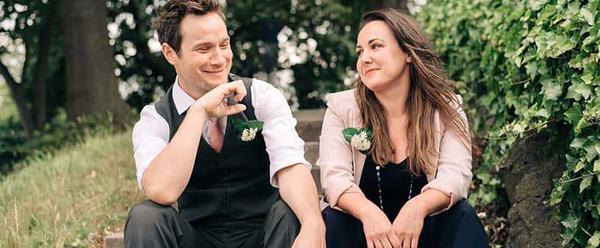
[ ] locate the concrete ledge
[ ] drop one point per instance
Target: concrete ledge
(114, 240)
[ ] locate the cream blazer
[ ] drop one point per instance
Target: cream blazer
(341, 165)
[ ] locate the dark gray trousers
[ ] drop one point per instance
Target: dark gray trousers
(152, 225)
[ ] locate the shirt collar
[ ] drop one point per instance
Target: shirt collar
(182, 100)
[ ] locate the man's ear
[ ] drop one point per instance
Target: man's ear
(169, 53)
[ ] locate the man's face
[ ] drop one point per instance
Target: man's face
(204, 60)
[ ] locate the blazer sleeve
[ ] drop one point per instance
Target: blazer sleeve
(335, 157)
(454, 174)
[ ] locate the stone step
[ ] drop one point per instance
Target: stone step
(309, 123)
(114, 240)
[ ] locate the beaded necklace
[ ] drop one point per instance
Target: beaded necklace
(379, 168)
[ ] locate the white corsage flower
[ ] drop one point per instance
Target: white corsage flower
(360, 142)
(359, 138)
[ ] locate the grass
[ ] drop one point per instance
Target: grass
(7, 106)
(72, 198)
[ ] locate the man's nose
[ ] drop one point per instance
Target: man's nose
(218, 57)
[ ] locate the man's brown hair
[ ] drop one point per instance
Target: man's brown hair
(172, 13)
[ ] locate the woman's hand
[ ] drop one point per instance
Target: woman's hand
(409, 224)
(378, 229)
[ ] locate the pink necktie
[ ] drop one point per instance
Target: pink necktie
(216, 135)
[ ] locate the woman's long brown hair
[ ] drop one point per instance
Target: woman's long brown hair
(430, 91)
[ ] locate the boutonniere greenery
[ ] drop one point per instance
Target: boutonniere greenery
(359, 138)
(245, 127)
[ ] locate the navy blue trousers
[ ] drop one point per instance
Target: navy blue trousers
(457, 227)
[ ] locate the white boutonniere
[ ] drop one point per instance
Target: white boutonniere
(246, 128)
(359, 138)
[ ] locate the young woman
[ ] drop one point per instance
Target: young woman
(400, 179)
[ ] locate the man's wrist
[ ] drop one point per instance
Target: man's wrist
(313, 223)
(198, 109)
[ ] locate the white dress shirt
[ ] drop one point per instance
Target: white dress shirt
(284, 146)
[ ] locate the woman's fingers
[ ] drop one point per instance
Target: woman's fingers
(370, 243)
(415, 242)
(395, 241)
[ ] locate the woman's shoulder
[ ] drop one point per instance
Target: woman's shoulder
(343, 100)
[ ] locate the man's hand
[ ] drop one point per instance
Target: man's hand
(213, 102)
(311, 235)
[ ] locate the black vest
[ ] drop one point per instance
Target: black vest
(229, 186)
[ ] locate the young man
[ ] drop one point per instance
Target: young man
(208, 187)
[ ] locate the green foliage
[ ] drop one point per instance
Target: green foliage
(60, 132)
(530, 66)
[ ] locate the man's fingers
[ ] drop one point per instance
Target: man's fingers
(238, 89)
(234, 109)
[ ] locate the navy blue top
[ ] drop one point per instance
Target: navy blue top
(395, 185)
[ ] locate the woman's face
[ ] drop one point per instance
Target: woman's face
(381, 62)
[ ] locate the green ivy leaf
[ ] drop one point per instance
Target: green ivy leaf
(579, 166)
(561, 45)
(574, 114)
(552, 89)
(587, 16)
(587, 78)
(592, 149)
(578, 90)
(585, 183)
(597, 165)
(536, 5)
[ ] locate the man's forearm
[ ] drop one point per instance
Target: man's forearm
(298, 190)
(168, 174)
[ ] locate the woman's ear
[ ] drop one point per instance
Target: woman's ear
(408, 59)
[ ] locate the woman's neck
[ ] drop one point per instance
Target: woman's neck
(395, 99)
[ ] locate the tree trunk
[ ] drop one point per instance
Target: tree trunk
(92, 87)
(41, 72)
(17, 92)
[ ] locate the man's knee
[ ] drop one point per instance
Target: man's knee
(148, 214)
(282, 211)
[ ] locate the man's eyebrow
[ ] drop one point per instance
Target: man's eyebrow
(201, 43)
